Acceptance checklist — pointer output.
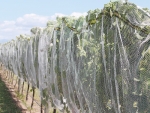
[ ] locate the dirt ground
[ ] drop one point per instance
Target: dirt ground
(20, 100)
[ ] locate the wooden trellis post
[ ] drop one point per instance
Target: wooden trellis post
(41, 108)
(27, 91)
(33, 89)
(22, 87)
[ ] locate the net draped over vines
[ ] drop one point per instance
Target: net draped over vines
(93, 64)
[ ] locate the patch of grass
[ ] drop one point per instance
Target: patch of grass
(19, 96)
(7, 104)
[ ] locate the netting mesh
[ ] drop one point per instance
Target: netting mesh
(97, 64)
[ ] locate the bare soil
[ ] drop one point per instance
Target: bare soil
(19, 99)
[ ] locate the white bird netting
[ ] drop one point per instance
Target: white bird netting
(97, 64)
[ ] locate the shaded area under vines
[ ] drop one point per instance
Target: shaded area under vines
(7, 104)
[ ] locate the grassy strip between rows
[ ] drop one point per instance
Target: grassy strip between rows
(7, 104)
